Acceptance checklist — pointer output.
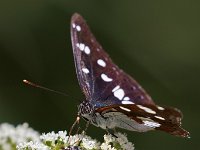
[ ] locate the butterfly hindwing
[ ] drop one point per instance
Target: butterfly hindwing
(100, 79)
(159, 118)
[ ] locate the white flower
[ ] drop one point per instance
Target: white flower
(79, 139)
(25, 132)
(108, 138)
(123, 141)
(74, 140)
(10, 136)
(106, 146)
(52, 136)
(119, 142)
(32, 146)
(5, 146)
(27, 139)
(89, 143)
(62, 134)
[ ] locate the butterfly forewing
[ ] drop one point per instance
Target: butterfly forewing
(100, 79)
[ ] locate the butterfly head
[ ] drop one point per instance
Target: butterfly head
(86, 110)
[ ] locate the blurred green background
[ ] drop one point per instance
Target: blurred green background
(157, 42)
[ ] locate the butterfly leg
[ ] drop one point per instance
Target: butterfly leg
(111, 132)
(83, 132)
(114, 130)
(73, 125)
(78, 129)
(87, 125)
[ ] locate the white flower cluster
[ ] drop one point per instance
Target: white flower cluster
(115, 143)
(27, 139)
(32, 146)
(10, 136)
(60, 140)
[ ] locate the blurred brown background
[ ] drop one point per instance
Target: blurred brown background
(157, 42)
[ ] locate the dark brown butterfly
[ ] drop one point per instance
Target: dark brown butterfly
(113, 98)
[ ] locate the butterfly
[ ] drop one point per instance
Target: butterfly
(113, 99)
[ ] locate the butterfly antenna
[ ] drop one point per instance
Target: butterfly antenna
(42, 87)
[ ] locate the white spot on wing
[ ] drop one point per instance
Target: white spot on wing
(77, 44)
(160, 108)
(148, 110)
(106, 78)
(101, 62)
(113, 68)
(151, 124)
(158, 117)
(126, 109)
(73, 25)
(85, 70)
(139, 87)
(78, 28)
(119, 94)
(143, 118)
(126, 99)
(133, 87)
(87, 50)
(81, 46)
(127, 102)
(116, 88)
